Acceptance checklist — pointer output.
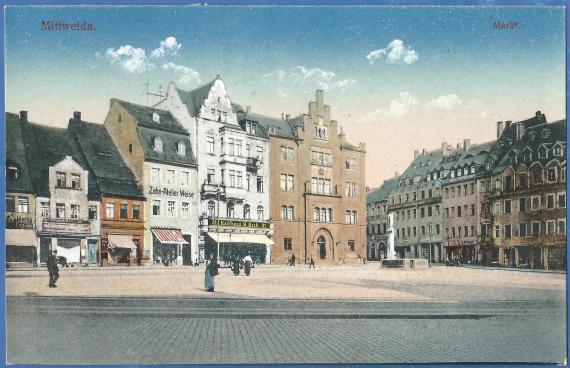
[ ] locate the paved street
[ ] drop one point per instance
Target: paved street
(446, 315)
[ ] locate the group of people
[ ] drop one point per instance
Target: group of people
(292, 259)
(212, 270)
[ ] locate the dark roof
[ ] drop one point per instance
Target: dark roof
(16, 155)
(107, 168)
(533, 138)
(274, 126)
(383, 192)
(194, 99)
(144, 114)
(169, 154)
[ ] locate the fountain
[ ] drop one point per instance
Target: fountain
(392, 261)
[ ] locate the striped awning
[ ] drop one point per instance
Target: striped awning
(169, 236)
(121, 241)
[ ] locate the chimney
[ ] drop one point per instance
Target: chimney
(287, 117)
(367, 189)
(519, 131)
(77, 115)
(416, 154)
(466, 144)
(320, 97)
(423, 151)
(508, 124)
(396, 174)
(500, 128)
(247, 109)
(23, 116)
(538, 113)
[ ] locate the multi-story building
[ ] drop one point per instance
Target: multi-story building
(20, 197)
(317, 187)
(416, 206)
(233, 172)
(157, 148)
(377, 219)
(528, 197)
(120, 214)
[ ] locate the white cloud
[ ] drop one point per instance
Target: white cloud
(399, 107)
(188, 75)
(303, 76)
(167, 47)
(131, 59)
(446, 102)
(395, 52)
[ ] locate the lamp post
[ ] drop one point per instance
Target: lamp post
(218, 189)
(430, 243)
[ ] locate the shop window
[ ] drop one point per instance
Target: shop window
(351, 246)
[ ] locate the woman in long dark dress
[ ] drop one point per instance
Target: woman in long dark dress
(210, 275)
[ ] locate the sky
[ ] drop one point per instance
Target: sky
(397, 78)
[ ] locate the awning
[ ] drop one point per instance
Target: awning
(169, 236)
(121, 241)
(21, 237)
(240, 238)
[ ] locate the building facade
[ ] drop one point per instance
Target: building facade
(233, 173)
(157, 149)
(317, 187)
(377, 219)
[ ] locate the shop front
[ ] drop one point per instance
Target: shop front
(20, 247)
(169, 246)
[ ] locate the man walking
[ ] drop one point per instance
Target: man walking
(52, 269)
(312, 263)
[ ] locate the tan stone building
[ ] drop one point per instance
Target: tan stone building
(317, 190)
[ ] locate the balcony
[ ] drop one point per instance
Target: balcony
(212, 190)
(252, 164)
(232, 159)
(65, 226)
(235, 193)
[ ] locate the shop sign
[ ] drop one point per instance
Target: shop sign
(65, 227)
(239, 224)
(170, 192)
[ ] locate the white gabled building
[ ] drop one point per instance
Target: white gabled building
(233, 172)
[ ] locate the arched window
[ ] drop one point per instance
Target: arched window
(246, 212)
(158, 144)
(316, 214)
(347, 215)
(283, 212)
(181, 149)
(290, 213)
(330, 215)
(230, 210)
(323, 215)
(260, 212)
(321, 244)
(211, 209)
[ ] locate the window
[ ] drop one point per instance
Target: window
(211, 176)
(437, 229)
(286, 154)
(423, 230)
(550, 227)
(458, 211)
(563, 174)
(260, 213)
(171, 209)
(185, 178)
(414, 212)
(246, 212)
(562, 226)
(231, 146)
(210, 145)
(170, 177)
(230, 210)
(287, 244)
(287, 182)
(23, 205)
(13, 172)
(446, 211)
(74, 212)
(472, 210)
(260, 184)
(11, 204)
(60, 177)
(110, 210)
(557, 151)
(446, 193)
(92, 212)
(422, 212)
(211, 209)
(248, 182)
(507, 231)
(350, 164)
(156, 204)
(330, 215)
(75, 181)
(351, 246)
(123, 211)
(350, 189)
(239, 144)
(523, 180)
(508, 183)
(535, 228)
(155, 175)
(131, 148)
(561, 200)
(537, 176)
(507, 206)
(158, 144)
(250, 127)
(181, 149)
(543, 153)
(522, 229)
(522, 204)
(535, 203)
(497, 231)
(60, 211)
(136, 212)
(549, 201)
(551, 174)
(284, 212)
(239, 182)
(321, 132)
(259, 151)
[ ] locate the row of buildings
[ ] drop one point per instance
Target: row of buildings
(497, 203)
(197, 177)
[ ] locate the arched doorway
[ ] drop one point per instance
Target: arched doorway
(322, 247)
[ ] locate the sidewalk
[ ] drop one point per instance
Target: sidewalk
(512, 269)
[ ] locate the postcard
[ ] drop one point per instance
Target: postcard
(247, 184)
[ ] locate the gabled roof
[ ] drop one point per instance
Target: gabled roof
(383, 192)
(194, 99)
(144, 117)
(107, 168)
(16, 155)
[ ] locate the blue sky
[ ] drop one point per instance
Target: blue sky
(397, 78)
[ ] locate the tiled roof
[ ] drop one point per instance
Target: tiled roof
(271, 125)
(383, 192)
(107, 168)
(194, 99)
(169, 154)
(16, 154)
(144, 117)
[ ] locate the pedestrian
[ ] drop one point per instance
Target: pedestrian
(139, 255)
(247, 264)
(236, 266)
(53, 269)
(364, 261)
(312, 263)
(293, 258)
(210, 275)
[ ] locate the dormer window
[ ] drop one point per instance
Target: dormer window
(543, 153)
(545, 133)
(181, 149)
(155, 117)
(557, 151)
(61, 180)
(13, 172)
(158, 144)
(250, 127)
(532, 135)
(75, 181)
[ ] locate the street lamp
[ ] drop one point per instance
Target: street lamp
(430, 243)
